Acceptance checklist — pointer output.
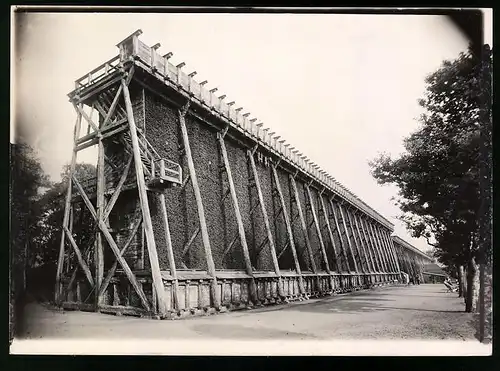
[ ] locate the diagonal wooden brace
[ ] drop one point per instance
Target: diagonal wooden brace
(104, 229)
(113, 268)
(86, 117)
(79, 257)
(118, 189)
(191, 240)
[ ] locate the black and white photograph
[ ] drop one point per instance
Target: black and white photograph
(258, 181)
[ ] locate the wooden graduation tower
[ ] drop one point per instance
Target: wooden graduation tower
(198, 209)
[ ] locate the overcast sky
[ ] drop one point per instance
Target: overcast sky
(339, 88)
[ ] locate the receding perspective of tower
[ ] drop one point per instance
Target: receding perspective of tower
(197, 208)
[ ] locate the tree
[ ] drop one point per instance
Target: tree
(438, 175)
(46, 230)
(27, 178)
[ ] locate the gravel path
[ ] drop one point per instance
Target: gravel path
(424, 312)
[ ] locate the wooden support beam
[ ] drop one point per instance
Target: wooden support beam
(86, 117)
(267, 226)
(258, 250)
(170, 251)
(390, 243)
(381, 250)
(357, 242)
(342, 244)
(364, 247)
(304, 229)
(190, 241)
(371, 246)
(118, 189)
(143, 198)
(113, 106)
(100, 203)
(330, 234)
(320, 237)
(349, 244)
(104, 228)
(284, 249)
(239, 220)
(199, 203)
(112, 270)
(79, 257)
(388, 251)
(60, 260)
(230, 246)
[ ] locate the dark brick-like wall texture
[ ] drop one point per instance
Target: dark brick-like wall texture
(160, 121)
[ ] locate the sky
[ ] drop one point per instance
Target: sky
(339, 88)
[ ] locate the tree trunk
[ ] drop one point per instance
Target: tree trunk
(461, 281)
(488, 304)
(471, 299)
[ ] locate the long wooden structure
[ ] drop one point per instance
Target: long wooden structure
(197, 209)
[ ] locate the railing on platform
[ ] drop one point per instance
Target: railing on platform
(98, 73)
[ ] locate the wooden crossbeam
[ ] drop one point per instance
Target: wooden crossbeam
(86, 117)
(113, 106)
(79, 257)
(102, 226)
(185, 181)
(284, 249)
(254, 207)
(258, 250)
(229, 247)
(112, 270)
(224, 196)
(75, 269)
(190, 241)
(118, 189)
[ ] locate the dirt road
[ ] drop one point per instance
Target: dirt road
(414, 312)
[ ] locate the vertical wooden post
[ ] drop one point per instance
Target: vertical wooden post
(342, 244)
(330, 235)
(239, 221)
(320, 237)
(170, 251)
(267, 226)
(201, 210)
(143, 198)
(99, 248)
(304, 228)
(60, 260)
(289, 230)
